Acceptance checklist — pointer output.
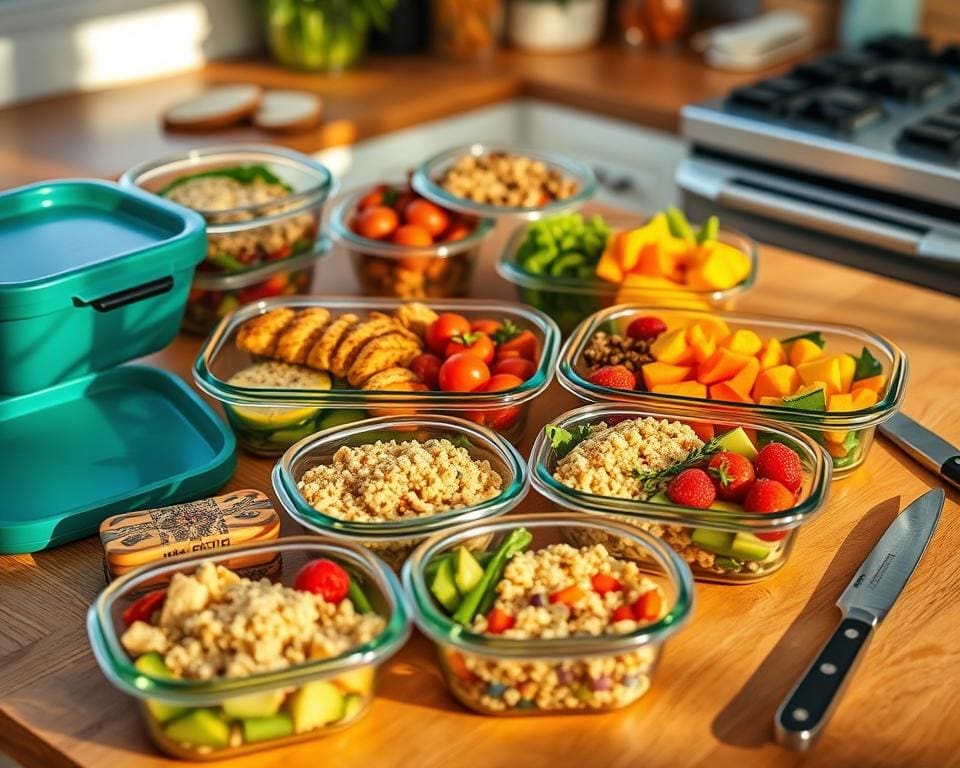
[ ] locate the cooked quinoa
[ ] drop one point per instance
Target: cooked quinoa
(215, 623)
(223, 193)
(393, 480)
(607, 462)
(530, 579)
(273, 374)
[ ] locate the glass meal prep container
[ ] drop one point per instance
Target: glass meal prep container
(382, 268)
(498, 675)
(569, 300)
(846, 435)
(260, 203)
(394, 540)
(229, 716)
(268, 421)
(213, 296)
(720, 544)
(426, 181)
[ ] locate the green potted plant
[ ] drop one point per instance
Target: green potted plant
(322, 35)
(555, 25)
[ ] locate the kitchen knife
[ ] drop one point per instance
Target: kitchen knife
(931, 450)
(865, 602)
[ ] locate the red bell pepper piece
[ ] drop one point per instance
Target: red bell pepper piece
(568, 596)
(604, 582)
(499, 621)
(143, 608)
(623, 613)
(647, 607)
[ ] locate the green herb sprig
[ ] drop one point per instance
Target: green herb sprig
(655, 481)
(563, 440)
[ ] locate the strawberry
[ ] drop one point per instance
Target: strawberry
(604, 582)
(775, 461)
(692, 488)
(614, 377)
(732, 473)
(499, 621)
(768, 496)
(646, 327)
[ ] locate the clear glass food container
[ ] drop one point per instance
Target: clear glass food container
(425, 180)
(720, 544)
(227, 717)
(395, 540)
(268, 421)
(466, 29)
(437, 271)
(569, 300)
(496, 675)
(244, 237)
(213, 296)
(845, 435)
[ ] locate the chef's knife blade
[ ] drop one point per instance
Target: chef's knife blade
(931, 450)
(865, 602)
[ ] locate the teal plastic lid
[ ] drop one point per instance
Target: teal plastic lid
(124, 439)
(76, 240)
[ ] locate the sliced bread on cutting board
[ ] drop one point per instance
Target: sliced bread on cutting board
(284, 111)
(215, 108)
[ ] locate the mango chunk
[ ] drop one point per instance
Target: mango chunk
(745, 379)
(779, 381)
(744, 342)
(768, 400)
(715, 327)
(848, 366)
(721, 365)
(864, 398)
(724, 390)
(873, 383)
(717, 267)
(803, 351)
(840, 402)
(631, 243)
(826, 369)
(683, 388)
(671, 347)
(608, 268)
(655, 374)
(772, 355)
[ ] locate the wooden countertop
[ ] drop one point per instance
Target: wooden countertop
(722, 677)
(103, 133)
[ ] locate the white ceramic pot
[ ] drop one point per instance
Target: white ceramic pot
(548, 25)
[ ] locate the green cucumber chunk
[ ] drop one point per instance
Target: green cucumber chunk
(709, 231)
(315, 704)
(468, 571)
(444, 587)
(200, 727)
(253, 705)
(481, 597)
(737, 441)
(152, 664)
(266, 728)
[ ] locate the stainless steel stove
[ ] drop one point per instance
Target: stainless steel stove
(853, 157)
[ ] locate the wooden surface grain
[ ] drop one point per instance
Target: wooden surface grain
(105, 132)
(722, 677)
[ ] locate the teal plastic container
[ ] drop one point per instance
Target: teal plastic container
(91, 275)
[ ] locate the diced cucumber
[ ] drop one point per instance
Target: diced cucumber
(315, 704)
(266, 728)
(444, 587)
(468, 571)
(718, 542)
(152, 664)
(199, 727)
(253, 705)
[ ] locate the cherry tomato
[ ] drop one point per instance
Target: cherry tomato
(280, 253)
(464, 372)
(488, 327)
(427, 369)
(325, 578)
(403, 199)
(425, 214)
(525, 343)
(377, 222)
(440, 331)
(518, 366)
(143, 608)
(773, 535)
(456, 231)
(501, 418)
(411, 234)
(478, 344)
(372, 198)
(273, 286)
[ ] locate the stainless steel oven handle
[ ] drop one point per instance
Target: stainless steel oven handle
(933, 246)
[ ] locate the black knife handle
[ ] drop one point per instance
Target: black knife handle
(807, 708)
(950, 469)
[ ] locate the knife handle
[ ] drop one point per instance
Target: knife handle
(807, 708)
(950, 470)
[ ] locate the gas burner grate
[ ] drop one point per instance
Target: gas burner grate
(902, 80)
(838, 109)
(900, 47)
(936, 137)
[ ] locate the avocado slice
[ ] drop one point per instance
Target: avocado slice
(660, 497)
(468, 571)
(352, 706)
(815, 400)
(718, 542)
(338, 417)
(315, 704)
(749, 548)
(266, 728)
(152, 664)
(444, 587)
(737, 441)
(253, 705)
(200, 727)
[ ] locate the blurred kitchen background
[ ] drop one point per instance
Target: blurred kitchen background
(853, 157)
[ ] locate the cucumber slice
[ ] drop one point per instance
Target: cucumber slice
(253, 705)
(444, 587)
(201, 727)
(266, 728)
(468, 571)
(152, 664)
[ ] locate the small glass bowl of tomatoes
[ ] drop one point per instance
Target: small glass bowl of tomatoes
(405, 246)
(214, 296)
